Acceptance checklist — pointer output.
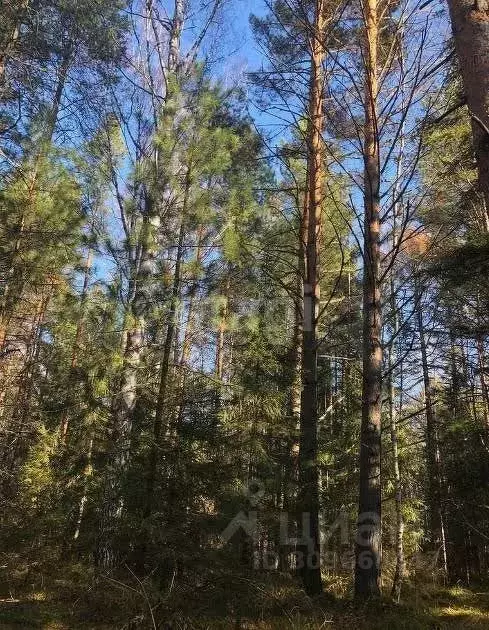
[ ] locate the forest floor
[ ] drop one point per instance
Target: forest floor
(74, 599)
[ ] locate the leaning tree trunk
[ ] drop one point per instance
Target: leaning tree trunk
(470, 24)
(368, 544)
(308, 496)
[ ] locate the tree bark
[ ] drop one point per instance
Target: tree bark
(368, 547)
(470, 25)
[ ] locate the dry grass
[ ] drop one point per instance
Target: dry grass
(73, 597)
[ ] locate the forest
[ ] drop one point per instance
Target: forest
(244, 314)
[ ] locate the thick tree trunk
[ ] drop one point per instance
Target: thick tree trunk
(125, 403)
(433, 463)
(368, 547)
(470, 24)
(308, 499)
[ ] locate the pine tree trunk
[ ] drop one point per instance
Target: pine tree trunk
(470, 24)
(308, 499)
(368, 547)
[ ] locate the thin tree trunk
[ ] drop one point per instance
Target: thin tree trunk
(160, 425)
(400, 561)
(369, 543)
(291, 452)
(159, 422)
(397, 206)
(189, 331)
(222, 327)
(483, 382)
(296, 386)
(78, 337)
(87, 473)
(470, 24)
(175, 36)
(8, 301)
(58, 95)
(309, 548)
(436, 518)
